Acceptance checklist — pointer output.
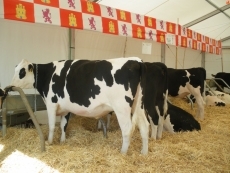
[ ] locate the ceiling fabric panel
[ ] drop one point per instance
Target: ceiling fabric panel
(86, 15)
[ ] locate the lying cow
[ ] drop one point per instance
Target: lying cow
(95, 88)
(210, 99)
(182, 82)
(176, 120)
(224, 76)
(223, 96)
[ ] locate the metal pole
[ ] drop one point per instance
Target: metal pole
(163, 53)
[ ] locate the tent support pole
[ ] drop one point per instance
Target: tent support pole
(71, 45)
(163, 53)
(203, 60)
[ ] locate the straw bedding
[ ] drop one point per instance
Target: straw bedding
(86, 150)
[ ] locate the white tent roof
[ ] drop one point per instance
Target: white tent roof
(183, 12)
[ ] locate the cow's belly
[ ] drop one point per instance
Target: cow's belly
(91, 111)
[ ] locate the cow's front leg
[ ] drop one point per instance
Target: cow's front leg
(64, 123)
(52, 119)
(200, 109)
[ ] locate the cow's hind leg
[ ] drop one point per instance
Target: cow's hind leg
(143, 126)
(124, 120)
(160, 124)
(64, 123)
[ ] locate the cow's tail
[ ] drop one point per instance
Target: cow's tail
(213, 75)
(143, 70)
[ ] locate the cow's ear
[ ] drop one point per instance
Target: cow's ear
(30, 67)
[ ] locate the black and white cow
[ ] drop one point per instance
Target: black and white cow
(178, 120)
(182, 82)
(95, 88)
(222, 96)
(224, 76)
(210, 99)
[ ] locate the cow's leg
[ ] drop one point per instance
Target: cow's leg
(168, 126)
(143, 126)
(160, 123)
(199, 100)
(52, 119)
(153, 129)
(64, 123)
(124, 120)
(108, 120)
(200, 105)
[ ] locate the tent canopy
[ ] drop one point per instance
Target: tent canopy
(208, 17)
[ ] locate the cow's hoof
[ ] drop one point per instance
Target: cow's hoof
(47, 143)
(123, 152)
(143, 152)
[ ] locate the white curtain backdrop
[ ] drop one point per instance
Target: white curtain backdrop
(35, 42)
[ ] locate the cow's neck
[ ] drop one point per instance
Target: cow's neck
(42, 77)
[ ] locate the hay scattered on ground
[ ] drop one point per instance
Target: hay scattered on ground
(86, 150)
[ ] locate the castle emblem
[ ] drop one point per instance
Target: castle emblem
(20, 12)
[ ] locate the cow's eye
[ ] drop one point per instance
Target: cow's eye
(22, 73)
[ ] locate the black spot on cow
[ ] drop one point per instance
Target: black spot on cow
(54, 99)
(82, 88)
(220, 104)
(59, 81)
(22, 73)
(129, 100)
(45, 72)
(130, 70)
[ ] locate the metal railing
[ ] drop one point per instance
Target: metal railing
(13, 105)
(214, 80)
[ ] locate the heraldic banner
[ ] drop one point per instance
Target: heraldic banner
(86, 15)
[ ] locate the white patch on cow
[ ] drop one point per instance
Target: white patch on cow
(160, 123)
(27, 81)
(213, 100)
(59, 66)
(188, 74)
(223, 96)
(153, 129)
(63, 123)
(168, 126)
(165, 102)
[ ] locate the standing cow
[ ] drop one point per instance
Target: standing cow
(95, 88)
(225, 77)
(182, 82)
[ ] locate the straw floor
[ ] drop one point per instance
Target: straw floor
(86, 150)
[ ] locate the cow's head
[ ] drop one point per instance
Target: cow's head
(23, 75)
